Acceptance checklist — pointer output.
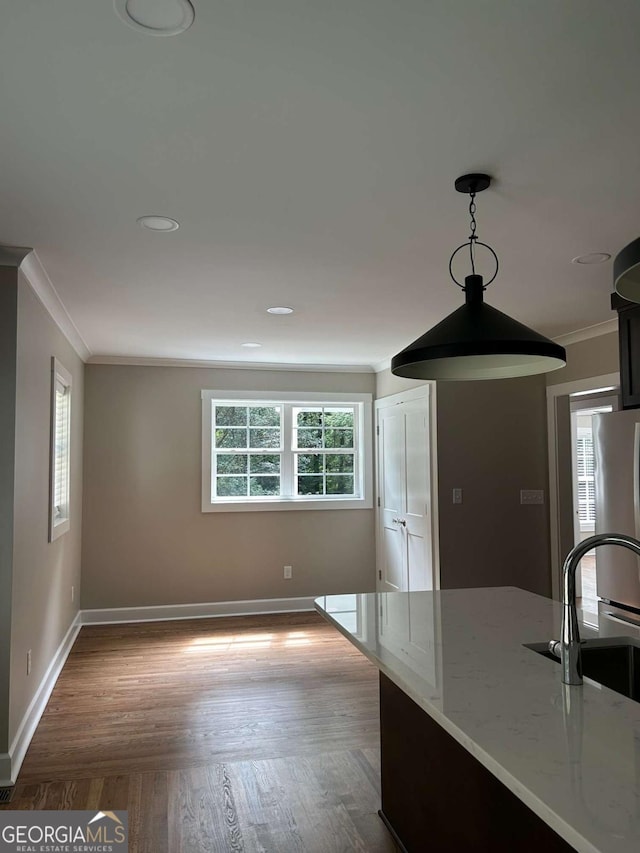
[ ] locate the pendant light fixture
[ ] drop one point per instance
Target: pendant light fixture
(477, 341)
(626, 272)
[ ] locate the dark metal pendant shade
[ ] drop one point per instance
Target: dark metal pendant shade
(478, 342)
(626, 272)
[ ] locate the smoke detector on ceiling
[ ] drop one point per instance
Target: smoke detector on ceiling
(156, 17)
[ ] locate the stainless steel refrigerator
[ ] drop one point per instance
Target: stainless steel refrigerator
(616, 446)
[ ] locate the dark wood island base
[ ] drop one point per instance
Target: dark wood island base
(437, 797)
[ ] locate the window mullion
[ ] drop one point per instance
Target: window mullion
(324, 454)
(358, 418)
(287, 466)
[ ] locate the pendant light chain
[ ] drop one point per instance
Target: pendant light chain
(472, 187)
(472, 236)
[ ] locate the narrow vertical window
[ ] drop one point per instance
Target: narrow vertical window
(59, 515)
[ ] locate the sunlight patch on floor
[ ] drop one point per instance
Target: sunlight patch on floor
(242, 641)
(248, 641)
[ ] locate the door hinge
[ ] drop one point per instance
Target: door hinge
(377, 430)
(378, 501)
(379, 574)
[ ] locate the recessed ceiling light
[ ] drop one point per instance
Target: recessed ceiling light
(592, 258)
(251, 344)
(158, 223)
(156, 17)
(280, 309)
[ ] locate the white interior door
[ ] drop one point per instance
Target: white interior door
(405, 512)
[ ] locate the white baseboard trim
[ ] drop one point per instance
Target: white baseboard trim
(162, 613)
(11, 762)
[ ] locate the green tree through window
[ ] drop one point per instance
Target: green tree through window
(241, 435)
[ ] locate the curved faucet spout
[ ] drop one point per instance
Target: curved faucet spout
(570, 641)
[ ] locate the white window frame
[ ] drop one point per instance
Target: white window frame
(59, 521)
(364, 450)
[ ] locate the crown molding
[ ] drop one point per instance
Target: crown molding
(382, 365)
(13, 256)
(139, 361)
(31, 267)
(589, 332)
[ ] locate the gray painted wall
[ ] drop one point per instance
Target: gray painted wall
(8, 346)
(593, 357)
(492, 443)
(146, 540)
(43, 572)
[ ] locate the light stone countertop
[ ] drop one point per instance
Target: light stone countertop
(572, 754)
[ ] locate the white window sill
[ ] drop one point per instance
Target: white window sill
(58, 528)
(287, 504)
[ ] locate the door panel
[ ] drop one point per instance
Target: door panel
(393, 576)
(417, 491)
(393, 557)
(391, 443)
(416, 461)
(418, 571)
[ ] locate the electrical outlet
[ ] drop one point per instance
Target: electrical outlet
(287, 572)
(29, 662)
(73, 593)
(531, 496)
(457, 496)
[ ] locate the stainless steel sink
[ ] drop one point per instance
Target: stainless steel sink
(612, 662)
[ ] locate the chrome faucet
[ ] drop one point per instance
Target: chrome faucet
(570, 643)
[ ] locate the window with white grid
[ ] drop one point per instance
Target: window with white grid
(283, 451)
(59, 509)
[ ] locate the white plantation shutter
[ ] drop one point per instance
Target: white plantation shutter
(586, 483)
(60, 450)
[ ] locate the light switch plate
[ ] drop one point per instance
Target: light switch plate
(531, 496)
(457, 496)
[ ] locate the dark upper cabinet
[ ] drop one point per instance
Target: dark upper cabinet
(629, 342)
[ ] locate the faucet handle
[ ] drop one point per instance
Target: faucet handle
(554, 648)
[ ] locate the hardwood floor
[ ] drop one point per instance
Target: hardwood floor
(232, 734)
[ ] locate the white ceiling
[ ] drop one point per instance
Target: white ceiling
(308, 150)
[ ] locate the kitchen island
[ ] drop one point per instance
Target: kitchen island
(483, 746)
